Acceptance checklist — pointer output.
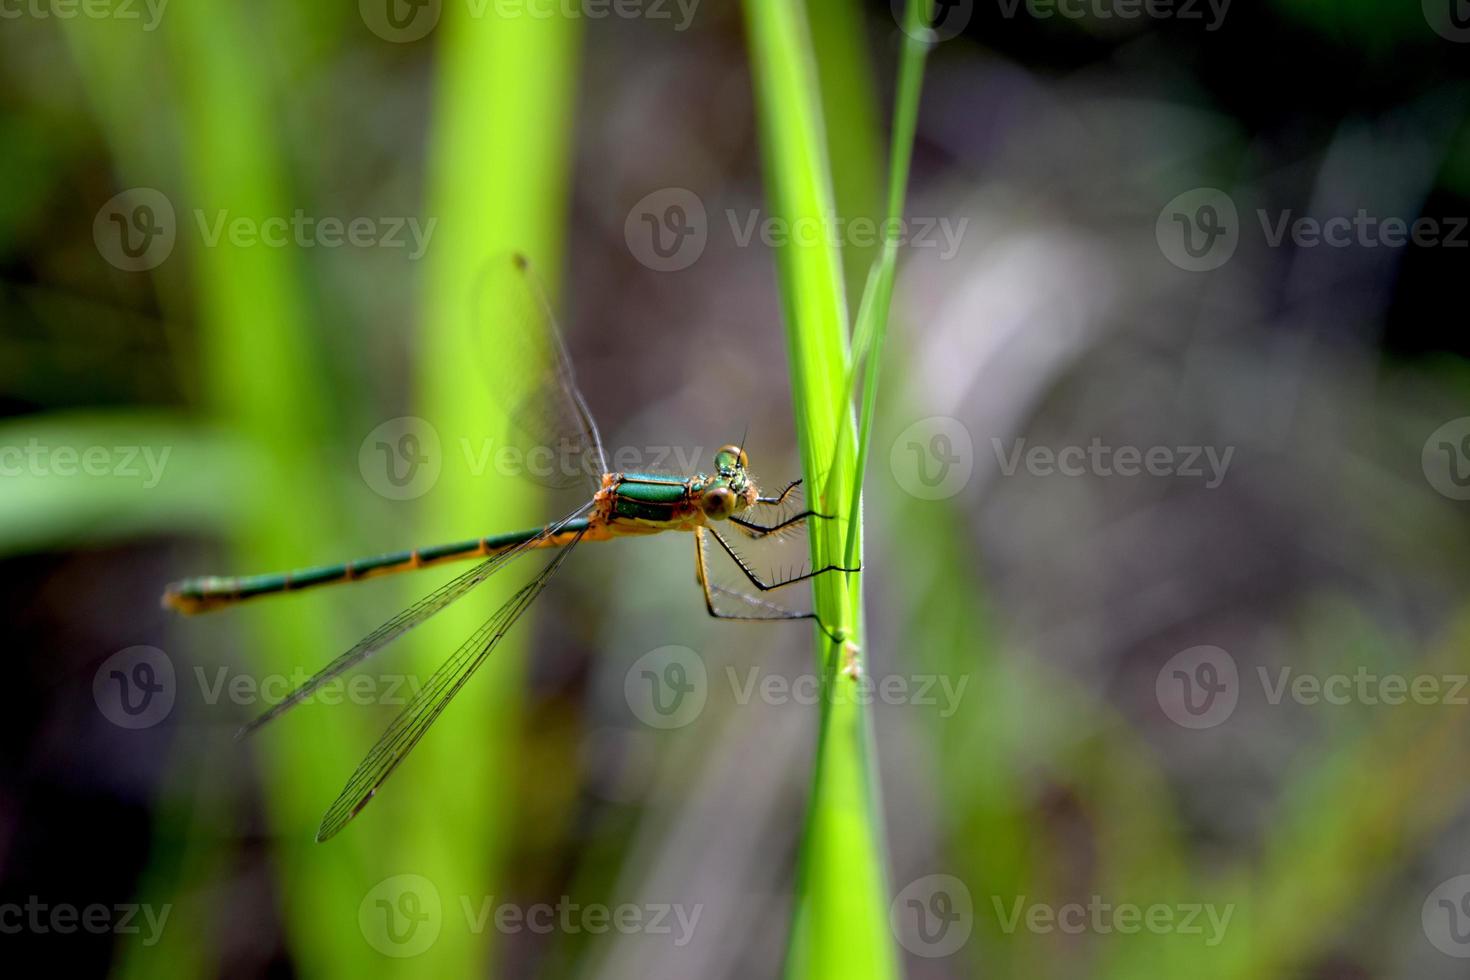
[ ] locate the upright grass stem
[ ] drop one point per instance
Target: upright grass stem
(840, 921)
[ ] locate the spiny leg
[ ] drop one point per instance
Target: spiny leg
(760, 583)
(781, 497)
(755, 530)
(774, 613)
(758, 531)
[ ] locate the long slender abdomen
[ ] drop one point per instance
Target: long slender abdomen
(196, 595)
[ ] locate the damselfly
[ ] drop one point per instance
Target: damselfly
(549, 408)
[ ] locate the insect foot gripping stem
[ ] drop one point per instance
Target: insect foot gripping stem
(852, 667)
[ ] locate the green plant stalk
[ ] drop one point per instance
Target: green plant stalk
(849, 98)
(499, 183)
(873, 313)
(840, 919)
(260, 374)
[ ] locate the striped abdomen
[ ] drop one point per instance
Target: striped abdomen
(196, 595)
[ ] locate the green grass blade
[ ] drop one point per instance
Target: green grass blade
(840, 922)
(499, 183)
(872, 317)
(162, 475)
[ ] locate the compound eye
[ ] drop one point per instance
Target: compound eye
(736, 453)
(718, 503)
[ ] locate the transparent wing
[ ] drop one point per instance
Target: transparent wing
(430, 700)
(412, 616)
(530, 375)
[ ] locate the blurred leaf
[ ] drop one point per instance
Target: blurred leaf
(82, 479)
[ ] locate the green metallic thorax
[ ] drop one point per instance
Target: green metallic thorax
(646, 497)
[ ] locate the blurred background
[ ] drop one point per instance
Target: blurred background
(1166, 510)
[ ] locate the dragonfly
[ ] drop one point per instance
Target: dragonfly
(511, 309)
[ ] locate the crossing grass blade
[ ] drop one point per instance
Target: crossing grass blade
(499, 182)
(840, 922)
